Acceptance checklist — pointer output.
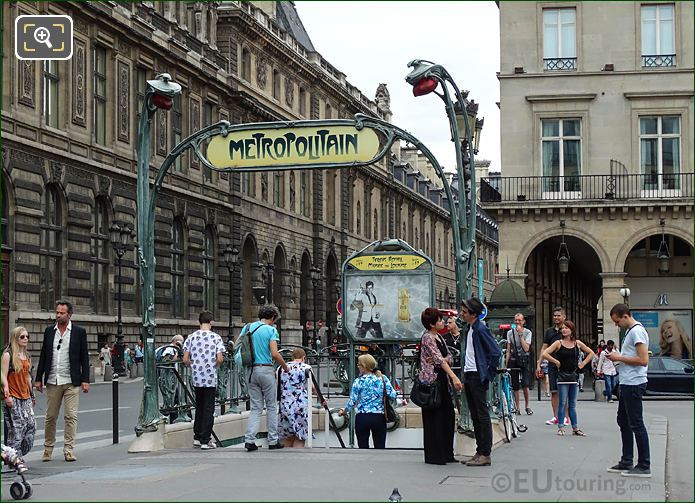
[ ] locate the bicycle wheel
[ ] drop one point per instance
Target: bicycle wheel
(506, 420)
(513, 421)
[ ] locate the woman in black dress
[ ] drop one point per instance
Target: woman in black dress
(435, 366)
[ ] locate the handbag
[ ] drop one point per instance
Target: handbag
(389, 411)
(426, 396)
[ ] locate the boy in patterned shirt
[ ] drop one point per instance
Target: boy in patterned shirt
(203, 351)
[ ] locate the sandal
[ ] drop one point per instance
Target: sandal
(579, 433)
(561, 432)
(529, 412)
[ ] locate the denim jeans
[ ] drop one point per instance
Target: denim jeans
(262, 388)
(610, 384)
(631, 425)
(567, 394)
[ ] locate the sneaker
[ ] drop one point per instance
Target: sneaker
(250, 447)
(637, 472)
(567, 421)
(551, 421)
(611, 401)
(196, 443)
(276, 446)
(47, 455)
(619, 468)
(210, 445)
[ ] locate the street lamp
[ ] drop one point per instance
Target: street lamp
(425, 78)
(120, 236)
(563, 254)
(315, 273)
(625, 293)
(231, 256)
(663, 255)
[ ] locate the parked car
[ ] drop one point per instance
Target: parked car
(669, 376)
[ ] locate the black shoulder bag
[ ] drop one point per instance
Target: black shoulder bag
(389, 411)
(426, 396)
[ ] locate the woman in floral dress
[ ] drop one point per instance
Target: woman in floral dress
(294, 401)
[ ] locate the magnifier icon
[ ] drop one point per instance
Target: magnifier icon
(43, 36)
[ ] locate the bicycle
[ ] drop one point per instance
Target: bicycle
(506, 406)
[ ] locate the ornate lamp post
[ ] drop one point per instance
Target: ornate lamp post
(231, 256)
(625, 294)
(315, 277)
(119, 236)
(426, 77)
(158, 95)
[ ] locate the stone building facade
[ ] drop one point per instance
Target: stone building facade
(597, 134)
(69, 171)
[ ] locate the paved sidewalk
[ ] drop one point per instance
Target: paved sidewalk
(538, 466)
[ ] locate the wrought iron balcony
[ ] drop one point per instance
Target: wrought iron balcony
(586, 188)
(656, 60)
(559, 64)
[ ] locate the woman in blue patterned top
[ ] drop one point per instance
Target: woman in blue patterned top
(367, 396)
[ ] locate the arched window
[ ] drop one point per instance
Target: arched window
(246, 64)
(359, 218)
(376, 225)
(439, 250)
(101, 257)
(209, 270)
(302, 102)
(51, 262)
(178, 269)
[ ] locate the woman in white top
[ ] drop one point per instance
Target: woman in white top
(605, 368)
(105, 357)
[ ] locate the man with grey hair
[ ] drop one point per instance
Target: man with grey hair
(261, 377)
(64, 370)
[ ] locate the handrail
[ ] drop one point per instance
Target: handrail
(605, 188)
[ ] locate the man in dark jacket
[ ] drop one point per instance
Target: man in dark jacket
(64, 369)
(481, 358)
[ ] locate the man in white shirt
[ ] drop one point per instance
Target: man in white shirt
(64, 367)
(633, 383)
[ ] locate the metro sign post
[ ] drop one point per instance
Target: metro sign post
(272, 146)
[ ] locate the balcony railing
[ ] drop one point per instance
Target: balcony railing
(586, 187)
(555, 64)
(656, 60)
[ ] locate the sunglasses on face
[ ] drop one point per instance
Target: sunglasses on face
(24, 337)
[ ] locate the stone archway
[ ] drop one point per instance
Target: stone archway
(305, 294)
(332, 292)
(249, 277)
(578, 291)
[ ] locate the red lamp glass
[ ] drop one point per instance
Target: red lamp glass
(425, 86)
(161, 101)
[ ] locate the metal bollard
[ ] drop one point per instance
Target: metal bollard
(114, 406)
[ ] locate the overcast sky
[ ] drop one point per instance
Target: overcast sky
(372, 43)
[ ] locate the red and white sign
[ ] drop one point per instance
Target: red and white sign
(339, 306)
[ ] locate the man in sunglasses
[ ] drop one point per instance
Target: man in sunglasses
(64, 368)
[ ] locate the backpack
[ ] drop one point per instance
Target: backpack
(245, 346)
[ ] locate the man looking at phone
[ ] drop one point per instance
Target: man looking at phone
(518, 358)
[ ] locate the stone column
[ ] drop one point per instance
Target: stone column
(612, 283)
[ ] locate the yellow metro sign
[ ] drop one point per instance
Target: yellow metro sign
(293, 146)
(387, 262)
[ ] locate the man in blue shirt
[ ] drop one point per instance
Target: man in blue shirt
(633, 383)
(261, 378)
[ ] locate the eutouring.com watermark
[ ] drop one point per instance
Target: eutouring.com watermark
(537, 481)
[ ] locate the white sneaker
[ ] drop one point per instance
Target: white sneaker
(196, 443)
(210, 445)
(567, 421)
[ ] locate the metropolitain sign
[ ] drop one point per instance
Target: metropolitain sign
(316, 144)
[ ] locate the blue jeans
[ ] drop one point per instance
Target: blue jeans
(610, 384)
(631, 425)
(567, 393)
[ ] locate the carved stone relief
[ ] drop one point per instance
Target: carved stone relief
(123, 101)
(195, 124)
(261, 72)
(289, 91)
(26, 82)
(161, 133)
(104, 186)
(57, 170)
(79, 87)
